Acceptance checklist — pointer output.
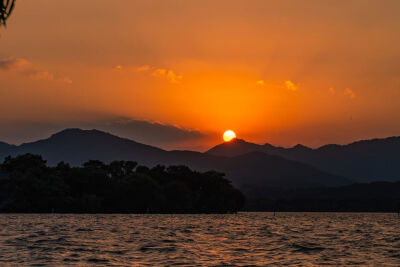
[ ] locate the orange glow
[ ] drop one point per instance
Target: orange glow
(234, 70)
(229, 135)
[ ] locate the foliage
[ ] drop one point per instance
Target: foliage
(118, 187)
(6, 8)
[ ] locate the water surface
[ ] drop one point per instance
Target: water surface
(237, 239)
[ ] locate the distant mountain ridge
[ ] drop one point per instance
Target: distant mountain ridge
(367, 160)
(76, 146)
(6, 149)
(251, 170)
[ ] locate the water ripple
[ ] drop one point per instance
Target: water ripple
(244, 239)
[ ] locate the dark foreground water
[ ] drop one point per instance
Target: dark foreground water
(241, 239)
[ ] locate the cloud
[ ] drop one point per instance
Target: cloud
(261, 82)
(174, 78)
(159, 73)
(169, 75)
(291, 86)
(162, 73)
(144, 68)
(152, 133)
(13, 64)
(147, 132)
(65, 80)
(27, 69)
(348, 92)
(42, 75)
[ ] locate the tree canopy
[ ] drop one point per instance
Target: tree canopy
(118, 187)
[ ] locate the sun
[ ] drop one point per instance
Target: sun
(229, 135)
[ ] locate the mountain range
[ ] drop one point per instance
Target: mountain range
(364, 161)
(251, 167)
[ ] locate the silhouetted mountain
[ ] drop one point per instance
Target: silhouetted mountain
(257, 169)
(235, 147)
(5, 149)
(76, 146)
(252, 170)
(371, 160)
(160, 135)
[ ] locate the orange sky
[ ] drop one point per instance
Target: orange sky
(282, 72)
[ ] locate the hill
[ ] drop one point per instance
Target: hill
(77, 146)
(252, 170)
(365, 161)
(5, 149)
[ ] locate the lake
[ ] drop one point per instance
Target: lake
(235, 239)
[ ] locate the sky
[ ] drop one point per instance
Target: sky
(280, 72)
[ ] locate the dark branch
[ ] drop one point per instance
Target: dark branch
(6, 8)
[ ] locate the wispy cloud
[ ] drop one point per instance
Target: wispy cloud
(159, 73)
(162, 73)
(12, 64)
(27, 69)
(169, 75)
(350, 93)
(173, 77)
(287, 85)
(143, 68)
(291, 86)
(65, 80)
(261, 82)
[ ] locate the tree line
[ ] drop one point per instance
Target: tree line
(29, 185)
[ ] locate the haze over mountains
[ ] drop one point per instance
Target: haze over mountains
(252, 168)
(161, 135)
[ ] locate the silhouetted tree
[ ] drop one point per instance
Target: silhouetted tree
(116, 187)
(118, 169)
(6, 8)
(22, 163)
(94, 164)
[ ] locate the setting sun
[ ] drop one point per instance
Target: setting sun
(229, 135)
